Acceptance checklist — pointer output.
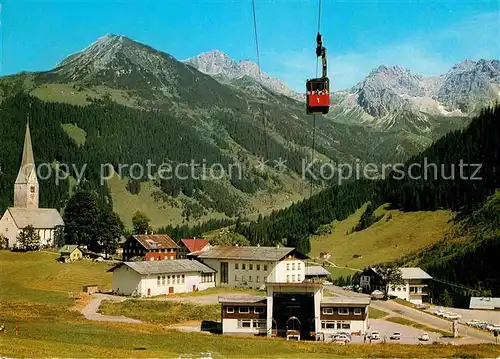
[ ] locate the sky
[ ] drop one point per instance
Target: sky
(427, 37)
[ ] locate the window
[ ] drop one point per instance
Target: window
(158, 280)
(250, 266)
(257, 279)
(288, 278)
(168, 279)
(259, 323)
(163, 280)
(243, 278)
(288, 266)
(404, 289)
(243, 310)
(230, 310)
(327, 310)
(327, 324)
(265, 267)
(243, 266)
(357, 311)
(298, 266)
(183, 279)
(178, 279)
(345, 325)
(293, 277)
(32, 189)
(244, 323)
(399, 289)
(257, 310)
(293, 266)
(393, 288)
(249, 278)
(343, 311)
(298, 277)
(235, 277)
(236, 266)
(258, 266)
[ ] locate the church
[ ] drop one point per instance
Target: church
(25, 211)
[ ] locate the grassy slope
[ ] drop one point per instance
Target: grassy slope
(34, 296)
(76, 133)
(384, 241)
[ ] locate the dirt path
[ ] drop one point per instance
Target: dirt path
(90, 311)
(198, 299)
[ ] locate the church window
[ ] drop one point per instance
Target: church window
(32, 189)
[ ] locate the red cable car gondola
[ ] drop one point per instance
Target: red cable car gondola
(318, 90)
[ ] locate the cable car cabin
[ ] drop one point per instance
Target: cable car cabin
(318, 96)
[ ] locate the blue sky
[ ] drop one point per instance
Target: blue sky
(427, 37)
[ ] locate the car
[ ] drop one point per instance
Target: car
(395, 336)
(425, 337)
(341, 339)
(375, 336)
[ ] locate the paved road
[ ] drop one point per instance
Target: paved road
(470, 335)
(90, 311)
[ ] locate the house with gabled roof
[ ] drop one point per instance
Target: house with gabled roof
(253, 266)
(192, 245)
(70, 253)
(152, 278)
(150, 247)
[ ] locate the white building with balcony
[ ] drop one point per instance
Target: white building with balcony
(414, 286)
(252, 267)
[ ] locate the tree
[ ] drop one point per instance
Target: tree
(3, 242)
(29, 239)
(110, 228)
(445, 299)
(81, 218)
(141, 223)
(226, 237)
(390, 276)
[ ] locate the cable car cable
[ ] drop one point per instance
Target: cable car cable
(259, 77)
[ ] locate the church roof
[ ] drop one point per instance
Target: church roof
(28, 160)
(40, 218)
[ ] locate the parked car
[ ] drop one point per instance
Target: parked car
(493, 327)
(425, 337)
(341, 339)
(395, 336)
(375, 336)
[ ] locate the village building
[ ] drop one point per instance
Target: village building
(152, 278)
(26, 212)
(484, 303)
(413, 289)
(191, 245)
(316, 272)
(70, 253)
(149, 247)
(252, 267)
(294, 310)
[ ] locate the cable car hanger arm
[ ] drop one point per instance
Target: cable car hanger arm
(321, 51)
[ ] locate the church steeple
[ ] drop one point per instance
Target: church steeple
(26, 186)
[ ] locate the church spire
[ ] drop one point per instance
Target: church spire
(28, 161)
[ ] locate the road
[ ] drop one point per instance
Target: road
(469, 335)
(90, 311)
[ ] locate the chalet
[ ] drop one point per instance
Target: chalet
(149, 247)
(413, 288)
(151, 278)
(70, 253)
(294, 310)
(252, 267)
(316, 272)
(191, 245)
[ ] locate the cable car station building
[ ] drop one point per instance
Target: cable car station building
(295, 311)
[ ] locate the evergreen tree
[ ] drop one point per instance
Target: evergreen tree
(140, 223)
(28, 239)
(81, 218)
(445, 299)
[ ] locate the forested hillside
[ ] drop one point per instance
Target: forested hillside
(477, 144)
